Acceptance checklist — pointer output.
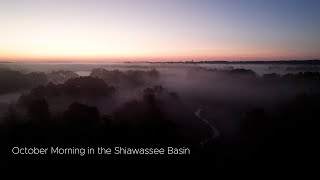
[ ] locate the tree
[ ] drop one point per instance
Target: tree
(38, 111)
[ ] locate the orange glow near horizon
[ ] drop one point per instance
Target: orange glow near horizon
(46, 48)
(145, 30)
(131, 55)
(87, 44)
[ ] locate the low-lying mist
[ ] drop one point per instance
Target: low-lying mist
(226, 112)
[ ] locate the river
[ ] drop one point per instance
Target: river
(214, 131)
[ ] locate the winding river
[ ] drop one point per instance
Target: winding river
(214, 131)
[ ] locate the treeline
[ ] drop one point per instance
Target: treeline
(305, 76)
(12, 81)
(158, 118)
(283, 62)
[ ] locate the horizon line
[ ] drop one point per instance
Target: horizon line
(179, 61)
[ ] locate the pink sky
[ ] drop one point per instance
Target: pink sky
(150, 30)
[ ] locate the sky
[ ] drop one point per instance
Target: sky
(159, 30)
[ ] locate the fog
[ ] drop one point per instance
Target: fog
(85, 68)
(192, 104)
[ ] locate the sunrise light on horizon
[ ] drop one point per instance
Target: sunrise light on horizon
(166, 30)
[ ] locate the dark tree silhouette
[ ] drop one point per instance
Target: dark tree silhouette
(12, 81)
(38, 111)
(131, 78)
(81, 116)
(87, 87)
(36, 78)
(89, 90)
